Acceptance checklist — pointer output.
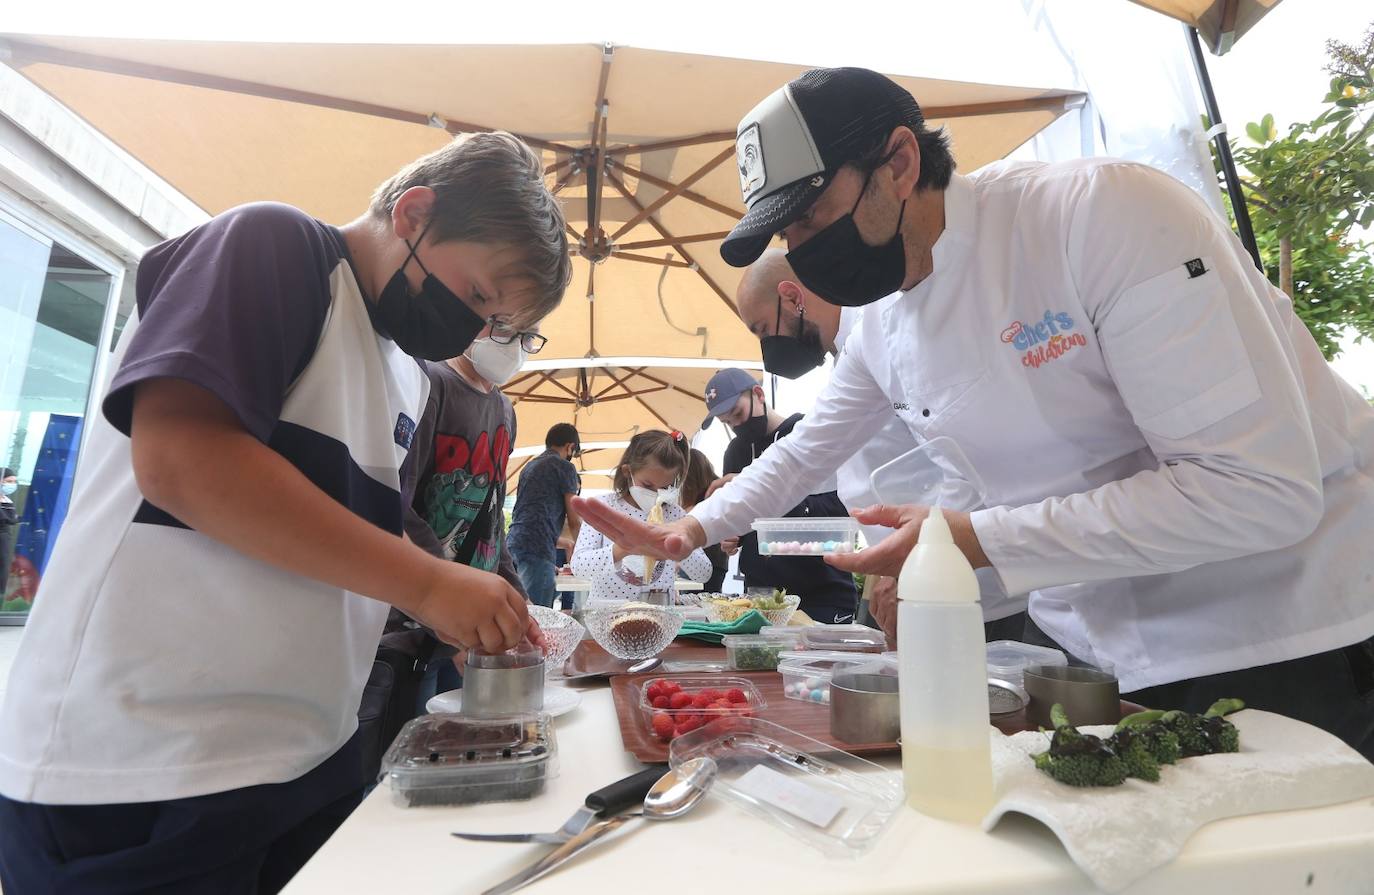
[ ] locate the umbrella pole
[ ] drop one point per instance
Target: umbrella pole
(1228, 163)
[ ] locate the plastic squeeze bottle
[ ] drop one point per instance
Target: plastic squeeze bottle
(942, 668)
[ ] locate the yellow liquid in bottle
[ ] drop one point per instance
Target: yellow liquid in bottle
(953, 784)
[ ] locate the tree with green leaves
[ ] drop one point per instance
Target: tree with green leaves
(1310, 191)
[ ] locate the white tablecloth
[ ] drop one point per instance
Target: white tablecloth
(383, 849)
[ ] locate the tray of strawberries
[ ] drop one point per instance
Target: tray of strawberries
(672, 705)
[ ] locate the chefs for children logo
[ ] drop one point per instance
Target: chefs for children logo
(405, 430)
(1045, 340)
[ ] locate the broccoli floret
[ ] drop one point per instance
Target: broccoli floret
(1080, 759)
(1208, 733)
(1135, 754)
(1161, 742)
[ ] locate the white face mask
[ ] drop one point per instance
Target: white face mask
(496, 363)
(9, 488)
(645, 498)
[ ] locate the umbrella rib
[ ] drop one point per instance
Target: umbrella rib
(682, 250)
(681, 240)
(658, 416)
(666, 384)
(558, 165)
(89, 61)
(671, 194)
(648, 259)
(591, 309)
(713, 137)
(686, 194)
(1002, 107)
(616, 382)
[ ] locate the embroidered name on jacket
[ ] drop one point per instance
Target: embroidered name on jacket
(1046, 340)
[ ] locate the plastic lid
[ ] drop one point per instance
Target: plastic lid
(1007, 658)
(936, 571)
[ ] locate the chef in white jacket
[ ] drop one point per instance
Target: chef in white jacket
(796, 330)
(1173, 472)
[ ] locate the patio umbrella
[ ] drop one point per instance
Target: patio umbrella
(1219, 22)
(638, 143)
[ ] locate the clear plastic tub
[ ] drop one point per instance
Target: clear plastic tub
(807, 536)
(755, 652)
(1007, 659)
(689, 716)
(450, 759)
(787, 633)
(845, 638)
(806, 673)
(825, 797)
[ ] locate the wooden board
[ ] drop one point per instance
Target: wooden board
(809, 718)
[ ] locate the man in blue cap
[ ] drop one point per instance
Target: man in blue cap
(827, 594)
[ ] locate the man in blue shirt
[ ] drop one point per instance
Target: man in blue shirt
(543, 499)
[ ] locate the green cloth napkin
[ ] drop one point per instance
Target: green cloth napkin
(749, 623)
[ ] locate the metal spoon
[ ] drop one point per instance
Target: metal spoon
(644, 665)
(675, 793)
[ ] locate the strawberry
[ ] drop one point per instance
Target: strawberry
(679, 700)
(663, 725)
(671, 687)
(661, 702)
(711, 694)
(701, 701)
(688, 724)
(737, 696)
(722, 704)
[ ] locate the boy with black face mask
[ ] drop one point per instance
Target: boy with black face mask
(216, 748)
(827, 594)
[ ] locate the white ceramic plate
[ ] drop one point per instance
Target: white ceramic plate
(557, 701)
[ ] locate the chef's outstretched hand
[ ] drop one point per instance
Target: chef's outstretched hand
(886, 557)
(669, 540)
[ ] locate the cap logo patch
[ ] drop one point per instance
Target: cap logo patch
(817, 181)
(749, 159)
(711, 395)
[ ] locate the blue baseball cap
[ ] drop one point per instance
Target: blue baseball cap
(724, 390)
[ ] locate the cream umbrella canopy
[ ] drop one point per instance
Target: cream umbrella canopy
(1218, 22)
(638, 143)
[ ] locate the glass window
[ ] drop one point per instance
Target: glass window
(52, 309)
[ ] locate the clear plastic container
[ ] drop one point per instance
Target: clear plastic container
(825, 797)
(686, 717)
(804, 536)
(755, 652)
(449, 759)
(846, 638)
(788, 633)
(806, 673)
(1007, 659)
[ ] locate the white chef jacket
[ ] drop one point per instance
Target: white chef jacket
(891, 441)
(1171, 465)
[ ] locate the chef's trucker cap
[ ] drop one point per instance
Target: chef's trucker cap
(791, 145)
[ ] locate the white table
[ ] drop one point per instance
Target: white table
(382, 848)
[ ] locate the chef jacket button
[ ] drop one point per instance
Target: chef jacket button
(925, 412)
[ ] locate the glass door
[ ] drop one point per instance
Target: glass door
(53, 308)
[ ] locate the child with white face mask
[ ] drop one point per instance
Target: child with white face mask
(647, 482)
(462, 444)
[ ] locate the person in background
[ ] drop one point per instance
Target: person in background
(827, 594)
(462, 445)
(796, 330)
(182, 715)
(650, 474)
(9, 522)
(700, 476)
(543, 501)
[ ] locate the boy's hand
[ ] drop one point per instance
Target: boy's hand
(465, 607)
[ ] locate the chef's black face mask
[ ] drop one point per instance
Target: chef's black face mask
(754, 428)
(433, 323)
(791, 356)
(841, 268)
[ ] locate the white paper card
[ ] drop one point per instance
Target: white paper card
(815, 806)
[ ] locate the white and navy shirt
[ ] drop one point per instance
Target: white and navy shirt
(158, 662)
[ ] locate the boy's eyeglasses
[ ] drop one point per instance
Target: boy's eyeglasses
(532, 343)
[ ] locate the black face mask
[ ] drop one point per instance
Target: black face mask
(791, 356)
(755, 428)
(433, 323)
(841, 268)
